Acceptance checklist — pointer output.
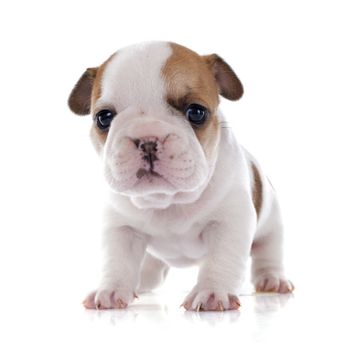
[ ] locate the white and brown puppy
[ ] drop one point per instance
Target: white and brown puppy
(182, 190)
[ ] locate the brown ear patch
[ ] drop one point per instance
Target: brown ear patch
(87, 90)
(83, 97)
(257, 189)
(80, 98)
(230, 86)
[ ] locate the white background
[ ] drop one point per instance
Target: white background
(293, 58)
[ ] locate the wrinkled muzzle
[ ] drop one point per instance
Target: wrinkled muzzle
(154, 158)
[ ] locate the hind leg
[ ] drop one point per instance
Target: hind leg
(267, 256)
(153, 273)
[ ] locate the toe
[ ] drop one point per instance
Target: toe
(285, 287)
(120, 304)
(234, 303)
(89, 302)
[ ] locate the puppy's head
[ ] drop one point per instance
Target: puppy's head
(155, 124)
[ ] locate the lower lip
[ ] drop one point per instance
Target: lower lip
(143, 172)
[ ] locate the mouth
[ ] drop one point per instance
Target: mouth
(151, 179)
(149, 173)
(150, 182)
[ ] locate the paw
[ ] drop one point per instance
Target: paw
(211, 300)
(109, 299)
(273, 284)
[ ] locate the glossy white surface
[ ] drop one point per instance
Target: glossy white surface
(156, 322)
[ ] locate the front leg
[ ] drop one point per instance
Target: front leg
(124, 250)
(222, 271)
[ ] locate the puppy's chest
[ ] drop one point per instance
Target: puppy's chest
(178, 250)
(178, 244)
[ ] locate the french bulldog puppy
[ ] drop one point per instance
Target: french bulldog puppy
(182, 190)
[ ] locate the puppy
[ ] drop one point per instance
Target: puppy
(182, 190)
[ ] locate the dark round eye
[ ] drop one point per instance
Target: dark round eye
(104, 119)
(196, 114)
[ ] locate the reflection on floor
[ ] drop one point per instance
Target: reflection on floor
(271, 321)
(160, 307)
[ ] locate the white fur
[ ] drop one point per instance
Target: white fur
(199, 212)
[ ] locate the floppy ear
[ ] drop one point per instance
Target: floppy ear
(80, 98)
(230, 86)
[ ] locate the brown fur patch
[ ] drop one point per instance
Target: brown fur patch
(79, 100)
(87, 90)
(257, 189)
(230, 86)
(84, 95)
(189, 79)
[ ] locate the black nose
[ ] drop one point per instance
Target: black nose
(149, 148)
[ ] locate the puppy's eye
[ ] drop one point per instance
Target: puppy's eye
(104, 118)
(196, 114)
